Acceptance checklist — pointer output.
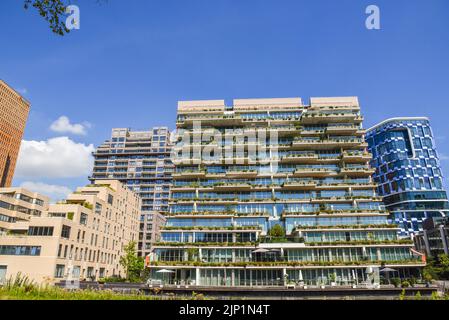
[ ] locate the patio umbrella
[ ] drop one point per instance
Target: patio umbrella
(261, 250)
(164, 272)
(387, 273)
(300, 276)
(386, 270)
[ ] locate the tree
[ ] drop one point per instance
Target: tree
(132, 264)
(53, 11)
(277, 231)
(437, 268)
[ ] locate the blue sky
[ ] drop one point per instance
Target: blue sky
(131, 62)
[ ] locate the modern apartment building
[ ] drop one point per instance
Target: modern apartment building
(80, 238)
(270, 192)
(140, 160)
(408, 172)
(14, 111)
(434, 239)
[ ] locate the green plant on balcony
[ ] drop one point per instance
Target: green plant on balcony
(88, 205)
(70, 215)
(277, 263)
(277, 231)
(193, 254)
(361, 242)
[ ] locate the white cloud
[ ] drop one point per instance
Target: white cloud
(55, 158)
(63, 125)
(443, 157)
(55, 192)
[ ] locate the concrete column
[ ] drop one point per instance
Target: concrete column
(426, 242)
(284, 274)
(197, 276)
(444, 240)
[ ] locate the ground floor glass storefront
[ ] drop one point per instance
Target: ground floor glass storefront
(217, 277)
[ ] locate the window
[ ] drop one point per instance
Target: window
(41, 231)
(59, 272)
(20, 250)
(83, 219)
(3, 270)
(65, 232)
(98, 208)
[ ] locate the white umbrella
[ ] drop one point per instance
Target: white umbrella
(387, 270)
(165, 271)
(261, 250)
(300, 276)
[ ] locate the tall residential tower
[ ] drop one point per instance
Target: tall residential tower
(140, 160)
(269, 192)
(14, 111)
(408, 172)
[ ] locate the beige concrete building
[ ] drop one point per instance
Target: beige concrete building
(14, 111)
(150, 230)
(80, 238)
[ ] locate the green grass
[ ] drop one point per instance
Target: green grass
(22, 288)
(53, 293)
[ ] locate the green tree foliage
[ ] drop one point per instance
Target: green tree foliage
(437, 269)
(53, 11)
(277, 231)
(132, 264)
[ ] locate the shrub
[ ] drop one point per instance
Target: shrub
(277, 231)
(396, 282)
(405, 284)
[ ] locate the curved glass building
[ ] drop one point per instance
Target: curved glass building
(408, 172)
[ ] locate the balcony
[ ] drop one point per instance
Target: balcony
(285, 130)
(300, 158)
(313, 172)
(342, 212)
(304, 144)
(344, 184)
(344, 129)
(215, 120)
(348, 198)
(357, 172)
(189, 174)
(241, 174)
(349, 156)
(233, 187)
(295, 185)
(321, 117)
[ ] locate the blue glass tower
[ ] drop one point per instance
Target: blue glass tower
(408, 172)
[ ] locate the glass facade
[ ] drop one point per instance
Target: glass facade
(141, 160)
(294, 204)
(408, 172)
